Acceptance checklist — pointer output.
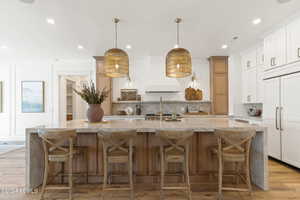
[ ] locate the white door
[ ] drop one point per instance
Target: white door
(270, 116)
(62, 100)
(293, 41)
(290, 102)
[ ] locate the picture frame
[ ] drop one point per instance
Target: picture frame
(33, 96)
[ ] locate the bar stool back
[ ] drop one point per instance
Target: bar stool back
(117, 149)
(174, 148)
(234, 145)
(53, 141)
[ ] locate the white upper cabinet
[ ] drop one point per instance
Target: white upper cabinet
(250, 86)
(260, 56)
(252, 63)
(275, 49)
(249, 60)
(293, 41)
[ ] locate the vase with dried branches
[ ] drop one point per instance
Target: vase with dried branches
(94, 97)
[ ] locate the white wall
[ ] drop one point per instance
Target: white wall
(150, 70)
(236, 106)
(13, 121)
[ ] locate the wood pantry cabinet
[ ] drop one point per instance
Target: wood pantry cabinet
(219, 84)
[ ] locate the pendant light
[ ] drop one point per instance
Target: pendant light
(178, 60)
(116, 61)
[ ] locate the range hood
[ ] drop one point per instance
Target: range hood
(163, 89)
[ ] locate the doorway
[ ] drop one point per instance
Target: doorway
(71, 106)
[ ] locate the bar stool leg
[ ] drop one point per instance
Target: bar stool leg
(87, 165)
(104, 171)
(45, 178)
(71, 176)
(130, 170)
(162, 171)
(248, 177)
(187, 173)
(220, 186)
(237, 169)
(62, 172)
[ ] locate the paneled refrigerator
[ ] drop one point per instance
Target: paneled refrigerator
(282, 117)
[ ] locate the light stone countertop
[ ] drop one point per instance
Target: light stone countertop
(198, 124)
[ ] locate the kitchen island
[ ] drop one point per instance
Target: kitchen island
(203, 165)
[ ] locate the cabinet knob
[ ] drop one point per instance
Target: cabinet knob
(248, 98)
(248, 64)
(271, 61)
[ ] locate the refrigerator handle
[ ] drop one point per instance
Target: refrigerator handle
(276, 118)
(280, 118)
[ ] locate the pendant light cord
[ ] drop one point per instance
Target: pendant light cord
(177, 33)
(116, 34)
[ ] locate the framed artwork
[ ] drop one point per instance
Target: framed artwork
(1, 96)
(33, 96)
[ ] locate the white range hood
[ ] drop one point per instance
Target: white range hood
(163, 89)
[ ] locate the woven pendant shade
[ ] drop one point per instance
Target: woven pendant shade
(178, 60)
(116, 63)
(178, 63)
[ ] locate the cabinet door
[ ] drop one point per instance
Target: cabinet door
(270, 116)
(252, 85)
(249, 86)
(275, 49)
(260, 56)
(293, 41)
(249, 59)
(259, 85)
(280, 47)
(290, 113)
(268, 51)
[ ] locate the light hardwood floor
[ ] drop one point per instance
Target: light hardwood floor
(284, 185)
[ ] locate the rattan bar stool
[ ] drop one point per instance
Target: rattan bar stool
(117, 149)
(174, 148)
(55, 150)
(234, 145)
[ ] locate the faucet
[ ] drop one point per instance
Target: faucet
(161, 108)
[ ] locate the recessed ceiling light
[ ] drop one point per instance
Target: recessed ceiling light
(224, 46)
(128, 46)
(3, 47)
(80, 47)
(50, 21)
(256, 21)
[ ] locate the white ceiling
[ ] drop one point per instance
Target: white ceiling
(147, 25)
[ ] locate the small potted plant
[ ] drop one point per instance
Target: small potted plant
(94, 98)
